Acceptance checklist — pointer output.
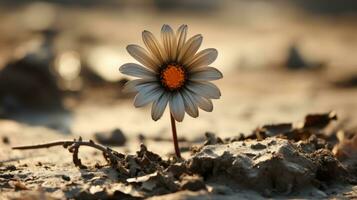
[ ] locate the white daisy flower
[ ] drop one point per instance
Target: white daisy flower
(174, 72)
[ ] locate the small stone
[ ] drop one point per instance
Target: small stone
(114, 138)
(5, 140)
(141, 138)
(10, 168)
(258, 146)
(176, 169)
(212, 139)
(6, 176)
(66, 178)
(87, 175)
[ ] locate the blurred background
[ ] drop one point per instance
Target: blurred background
(281, 60)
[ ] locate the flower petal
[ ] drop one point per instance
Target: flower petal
(158, 106)
(150, 84)
(205, 74)
(181, 35)
(130, 86)
(202, 58)
(169, 41)
(136, 70)
(190, 48)
(190, 105)
(177, 107)
(147, 94)
(154, 46)
(142, 56)
(205, 89)
(203, 103)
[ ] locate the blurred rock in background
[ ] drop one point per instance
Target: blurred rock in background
(28, 83)
(70, 74)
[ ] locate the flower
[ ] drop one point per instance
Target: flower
(175, 73)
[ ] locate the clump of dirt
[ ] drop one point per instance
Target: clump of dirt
(143, 163)
(346, 150)
(151, 175)
(270, 165)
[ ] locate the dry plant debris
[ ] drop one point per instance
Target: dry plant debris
(110, 156)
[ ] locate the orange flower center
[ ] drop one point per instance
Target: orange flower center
(173, 77)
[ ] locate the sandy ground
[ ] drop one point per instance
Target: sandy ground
(256, 90)
(287, 98)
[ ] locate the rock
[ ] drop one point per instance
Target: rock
(87, 175)
(10, 168)
(66, 178)
(176, 169)
(5, 140)
(328, 167)
(114, 138)
(296, 61)
(212, 139)
(258, 146)
(279, 166)
(38, 89)
(6, 176)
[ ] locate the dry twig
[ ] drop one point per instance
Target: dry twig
(111, 156)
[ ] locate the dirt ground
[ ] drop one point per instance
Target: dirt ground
(51, 172)
(258, 88)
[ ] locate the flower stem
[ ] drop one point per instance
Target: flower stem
(174, 136)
